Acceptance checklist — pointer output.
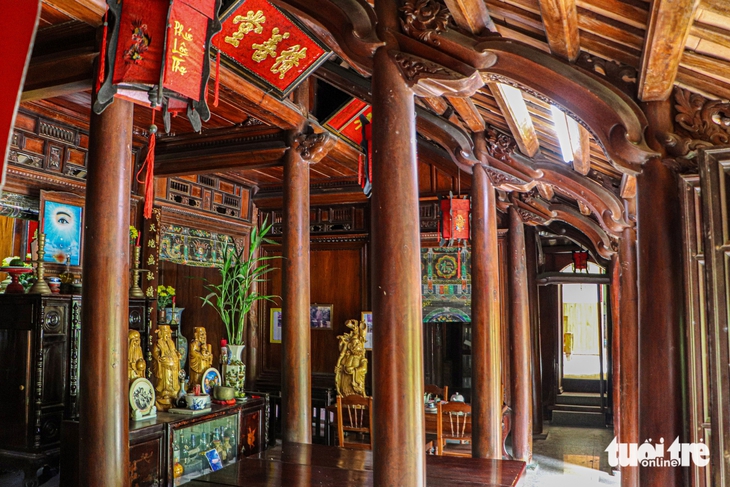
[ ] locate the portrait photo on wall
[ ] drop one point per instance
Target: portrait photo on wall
(61, 220)
(320, 316)
(275, 325)
(367, 317)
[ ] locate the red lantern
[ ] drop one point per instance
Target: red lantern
(157, 55)
(580, 261)
(455, 219)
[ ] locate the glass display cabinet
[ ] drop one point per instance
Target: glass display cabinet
(203, 447)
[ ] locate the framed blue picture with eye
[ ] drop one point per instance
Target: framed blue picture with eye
(61, 220)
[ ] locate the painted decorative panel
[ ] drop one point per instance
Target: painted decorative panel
(189, 246)
(446, 284)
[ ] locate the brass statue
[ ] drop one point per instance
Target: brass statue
(201, 356)
(167, 361)
(352, 364)
(136, 365)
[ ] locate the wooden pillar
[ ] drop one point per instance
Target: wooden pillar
(485, 315)
(521, 343)
(532, 269)
(550, 342)
(398, 447)
(660, 277)
(629, 352)
(296, 366)
(615, 270)
(104, 385)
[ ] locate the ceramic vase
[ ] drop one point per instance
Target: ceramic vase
(234, 371)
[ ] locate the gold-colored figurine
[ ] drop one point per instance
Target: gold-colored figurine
(167, 365)
(201, 356)
(352, 364)
(136, 365)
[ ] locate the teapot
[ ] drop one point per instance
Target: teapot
(456, 397)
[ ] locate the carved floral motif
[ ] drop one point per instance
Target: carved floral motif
(424, 19)
(499, 145)
(413, 67)
(313, 147)
(699, 123)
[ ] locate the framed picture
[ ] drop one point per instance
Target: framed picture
(275, 325)
(367, 317)
(61, 218)
(320, 316)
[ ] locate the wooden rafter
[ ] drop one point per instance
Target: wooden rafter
(468, 112)
(471, 15)
(518, 119)
(88, 11)
(666, 36)
(581, 150)
(560, 18)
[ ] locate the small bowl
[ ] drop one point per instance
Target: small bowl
(222, 393)
(197, 402)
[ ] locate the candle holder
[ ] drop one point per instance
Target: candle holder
(135, 291)
(40, 286)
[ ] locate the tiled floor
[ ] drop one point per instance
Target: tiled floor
(571, 457)
(568, 457)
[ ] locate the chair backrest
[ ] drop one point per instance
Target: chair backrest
(355, 415)
(442, 392)
(457, 419)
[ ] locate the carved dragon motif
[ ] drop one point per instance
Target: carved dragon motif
(313, 147)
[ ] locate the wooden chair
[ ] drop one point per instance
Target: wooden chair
(457, 416)
(442, 392)
(355, 415)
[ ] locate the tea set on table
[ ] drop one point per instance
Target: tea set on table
(430, 400)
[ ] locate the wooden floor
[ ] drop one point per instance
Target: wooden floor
(300, 465)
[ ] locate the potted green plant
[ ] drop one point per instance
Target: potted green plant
(240, 271)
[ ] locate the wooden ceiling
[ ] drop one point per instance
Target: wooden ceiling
(642, 50)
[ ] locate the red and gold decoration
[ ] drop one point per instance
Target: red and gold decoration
(155, 53)
(455, 219)
(352, 122)
(268, 45)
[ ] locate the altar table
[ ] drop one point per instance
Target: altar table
(302, 465)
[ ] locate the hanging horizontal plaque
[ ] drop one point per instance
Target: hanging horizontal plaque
(271, 47)
(347, 122)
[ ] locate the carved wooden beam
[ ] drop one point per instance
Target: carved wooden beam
(560, 18)
(471, 15)
(666, 35)
(581, 150)
(628, 187)
(517, 117)
(239, 149)
(469, 113)
(558, 227)
(59, 74)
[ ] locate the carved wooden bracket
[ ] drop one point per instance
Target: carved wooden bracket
(424, 20)
(313, 147)
(699, 123)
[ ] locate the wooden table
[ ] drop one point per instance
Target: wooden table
(300, 465)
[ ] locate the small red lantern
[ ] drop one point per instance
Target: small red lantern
(580, 261)
(455, 219)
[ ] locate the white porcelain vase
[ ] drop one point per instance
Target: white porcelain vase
(234, 372)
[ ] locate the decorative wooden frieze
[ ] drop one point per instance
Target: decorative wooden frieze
(191, 246)
(18, 206)
(429, 212)
(424, 20)
(48, 146)
(209, 194)
(326, 220)
(699, 123)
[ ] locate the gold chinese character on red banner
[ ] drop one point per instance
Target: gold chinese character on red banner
(268, 48)
(180, 51)
(252, 22)
(288, 59)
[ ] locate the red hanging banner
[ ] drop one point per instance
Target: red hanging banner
(138, 56)
(455, 221)
(269, 45)
(346, 121)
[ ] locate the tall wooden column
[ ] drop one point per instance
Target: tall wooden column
(104, 385)
(296, 366)
(661, 321)
(534, 310)
(615, 271)
(398, 449)
(521, 343)
(629, 352)
(485, 317)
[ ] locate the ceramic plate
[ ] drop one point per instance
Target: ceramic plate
(141, 395)
(210, 379)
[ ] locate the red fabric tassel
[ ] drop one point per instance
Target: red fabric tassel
(102, 52)
(149, 163)
(360, 162)
(217, 78)
(458, 265)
